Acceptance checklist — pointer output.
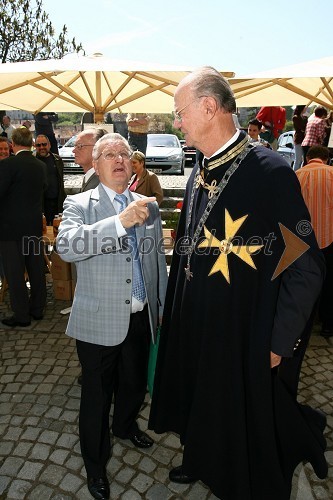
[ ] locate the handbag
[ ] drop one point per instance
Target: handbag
(153, 351)
(268, 135)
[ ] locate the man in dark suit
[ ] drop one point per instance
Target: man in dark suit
(55, 193)
(22, 182)
(85, 142)
(44, 125)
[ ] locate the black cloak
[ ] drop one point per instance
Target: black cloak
(243, 432)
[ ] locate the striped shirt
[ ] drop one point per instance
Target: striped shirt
(316, 180)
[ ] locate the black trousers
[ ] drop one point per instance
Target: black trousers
(325, 302)
(18, 256)
(50, 209)
(112, 371)
(138, 142)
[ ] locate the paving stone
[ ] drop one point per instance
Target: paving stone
(40, 451)
(4, 482)
(163, 455)
(197, 492)
(53, 474)
(41, 492)
(131, 457)
(67, 441)
(18, 489)
(30, 470)
(172, 441)
(71, 483)
(59, 456)
(5, 408)
(53, 412)
(48, 437)
(147, 465)
(131, 495)
(31, 433)
(13, 433)
(74, 463)
(69, 416)
(142, 482)
(125, 475)
(11, 466)
(22, 449)
(6, 448)
(161, 474)
(158, 492)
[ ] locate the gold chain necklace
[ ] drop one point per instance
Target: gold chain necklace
(212, 187)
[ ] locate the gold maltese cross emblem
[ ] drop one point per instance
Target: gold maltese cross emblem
(226, 246)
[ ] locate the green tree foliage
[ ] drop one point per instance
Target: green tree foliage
(27, 34)
(69, 118)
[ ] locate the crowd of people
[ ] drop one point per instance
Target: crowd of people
(235, 316)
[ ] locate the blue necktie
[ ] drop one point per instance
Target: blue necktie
(138, 288)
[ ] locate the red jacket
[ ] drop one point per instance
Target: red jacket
(275, 115)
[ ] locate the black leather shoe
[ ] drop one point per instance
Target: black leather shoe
(177, 475)
(141, 440)
(99, 487)
(12, 322)
(326, 331)
(37, 318)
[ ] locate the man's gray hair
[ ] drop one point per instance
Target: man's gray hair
(107, 139)
(207, 81)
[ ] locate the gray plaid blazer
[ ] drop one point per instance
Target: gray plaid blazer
(102, 302)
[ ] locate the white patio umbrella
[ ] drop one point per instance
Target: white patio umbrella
(90, 83)
(304, 83)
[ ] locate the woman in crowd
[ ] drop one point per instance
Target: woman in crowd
(299, 121)
(143, 181)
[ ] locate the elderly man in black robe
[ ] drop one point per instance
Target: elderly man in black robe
(245, 276)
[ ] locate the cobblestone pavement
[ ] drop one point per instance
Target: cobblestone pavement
(39, 401)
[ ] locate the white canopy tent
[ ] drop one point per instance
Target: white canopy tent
(90, 83)
(304, 83)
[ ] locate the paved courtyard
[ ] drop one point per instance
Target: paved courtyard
(39, 401)
(39, 444)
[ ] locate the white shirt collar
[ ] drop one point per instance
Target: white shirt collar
(88, 174)
(227, 144)
(111, 194)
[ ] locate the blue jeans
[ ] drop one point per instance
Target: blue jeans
(298, 156)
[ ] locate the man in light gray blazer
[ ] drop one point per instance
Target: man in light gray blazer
(112, 328)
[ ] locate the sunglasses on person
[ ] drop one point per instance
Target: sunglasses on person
(39, 144)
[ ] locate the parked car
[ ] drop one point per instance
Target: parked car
(165, 154)
(67, 156)
(286, 147)
(190, 153)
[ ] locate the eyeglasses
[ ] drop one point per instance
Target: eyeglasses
(176, 114)
(80, 146)
(112, 155)
(39, 144)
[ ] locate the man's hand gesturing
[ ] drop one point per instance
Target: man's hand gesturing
(136, 212)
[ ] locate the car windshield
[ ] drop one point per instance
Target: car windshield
(162, 142)
(71, 142)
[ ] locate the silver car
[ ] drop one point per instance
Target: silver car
(67, 156)
(165, 154)
(286, 147)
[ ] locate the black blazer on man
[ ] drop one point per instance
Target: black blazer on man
(22, 182)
